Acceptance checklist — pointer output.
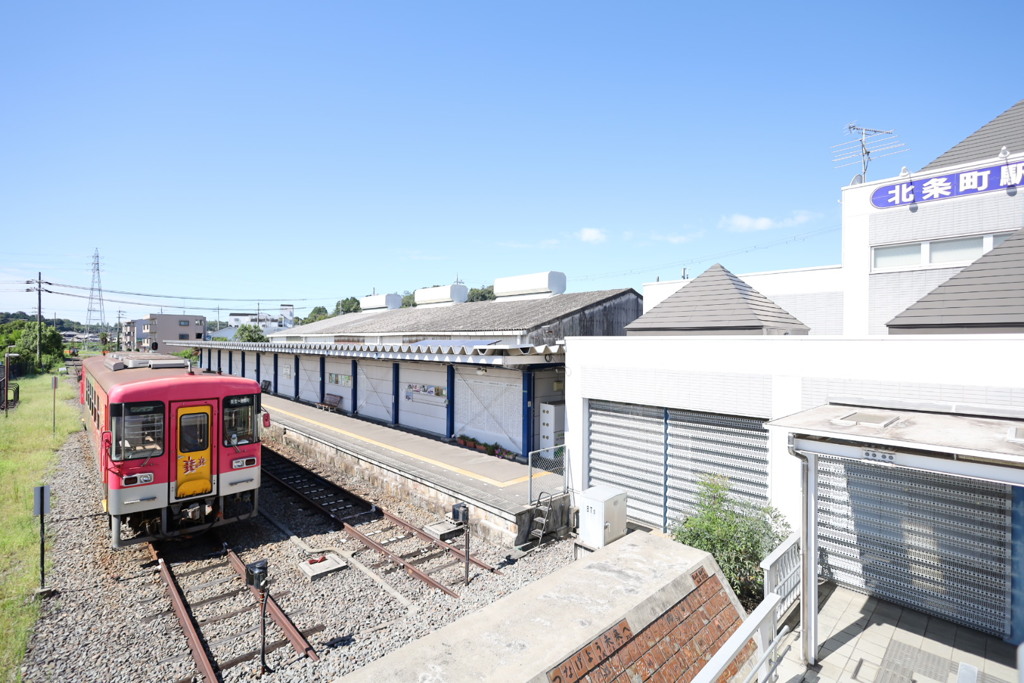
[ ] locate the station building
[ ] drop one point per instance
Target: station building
(490, 370)
(879, 404)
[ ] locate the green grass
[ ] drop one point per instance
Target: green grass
(28, 451)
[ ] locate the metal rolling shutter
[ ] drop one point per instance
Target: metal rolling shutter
(706, 443)
(935, 543)
(627, 451)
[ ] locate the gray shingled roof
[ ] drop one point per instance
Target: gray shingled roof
(988, 293)
(478, 316)
(1006, 129)
(716, 300)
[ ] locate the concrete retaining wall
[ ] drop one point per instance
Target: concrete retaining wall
(494, 526)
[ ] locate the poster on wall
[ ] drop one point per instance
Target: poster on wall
(426, 393)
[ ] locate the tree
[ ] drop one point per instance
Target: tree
(738, 533)
(347, 305)
(318, 313)
(408, 300)
(250, 333)
(481, 294)
(51, 348)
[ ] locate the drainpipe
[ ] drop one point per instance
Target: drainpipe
(809, 554)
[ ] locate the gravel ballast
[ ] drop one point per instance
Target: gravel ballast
(110, 619)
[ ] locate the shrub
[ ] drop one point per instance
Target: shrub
(738, 533)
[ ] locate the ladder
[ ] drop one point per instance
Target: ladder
(539, 522)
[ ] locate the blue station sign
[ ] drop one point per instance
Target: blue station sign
(950, 185)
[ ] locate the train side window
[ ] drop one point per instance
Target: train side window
(138, 430)
(239, 420)
(193, 433)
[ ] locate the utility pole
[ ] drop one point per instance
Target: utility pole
(39, 320)
(119, 314)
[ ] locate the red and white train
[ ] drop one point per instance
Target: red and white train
(178, 451)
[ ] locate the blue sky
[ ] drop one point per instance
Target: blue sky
(305, 152)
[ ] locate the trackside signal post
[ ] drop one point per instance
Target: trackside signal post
(256, 576)
(41, 508)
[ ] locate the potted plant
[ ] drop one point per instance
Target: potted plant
(481, 446)
(461, 440)
(492, 448)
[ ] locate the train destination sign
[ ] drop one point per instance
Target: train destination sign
(949, 185)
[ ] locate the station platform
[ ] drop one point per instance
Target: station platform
(429, 470)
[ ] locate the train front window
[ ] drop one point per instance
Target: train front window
(138, 430)
(194, 433)
(239, 420)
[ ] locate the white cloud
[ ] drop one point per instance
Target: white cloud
(738, 222)
(592, 235)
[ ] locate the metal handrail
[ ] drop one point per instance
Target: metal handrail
(782, 573)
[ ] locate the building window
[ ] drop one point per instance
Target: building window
(183, 323)
(182, 336)
(898, 255)
(955, 251)
(934, 253)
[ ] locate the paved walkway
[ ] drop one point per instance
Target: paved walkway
(478, 478)
(865, 639)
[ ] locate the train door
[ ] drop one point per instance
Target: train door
(192, 438)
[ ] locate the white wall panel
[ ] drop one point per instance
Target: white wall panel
(309, 378)
(339, 380)
(267, 369)
(374, 388)
(251, 359)
(489, 407)
(423, 392)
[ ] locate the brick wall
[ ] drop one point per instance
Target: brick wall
(671, 648)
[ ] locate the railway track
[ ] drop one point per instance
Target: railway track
(219, 582)
(397, 543)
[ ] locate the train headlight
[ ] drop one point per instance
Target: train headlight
(242, 462)
(137, 479)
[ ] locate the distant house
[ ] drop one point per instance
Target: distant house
(154, 330)
(285, 319)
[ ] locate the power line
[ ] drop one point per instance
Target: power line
(143, 304)
(192, 298)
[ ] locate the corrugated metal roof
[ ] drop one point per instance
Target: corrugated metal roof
(988, 293)
(716, 300)
(477, 316)
(1007, 129)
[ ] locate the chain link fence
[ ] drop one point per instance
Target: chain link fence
(552, 460)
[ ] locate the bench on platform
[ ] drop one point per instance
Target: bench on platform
(331, 402)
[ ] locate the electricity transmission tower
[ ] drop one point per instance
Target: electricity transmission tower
(95, 315)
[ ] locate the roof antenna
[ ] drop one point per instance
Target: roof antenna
(871, 142)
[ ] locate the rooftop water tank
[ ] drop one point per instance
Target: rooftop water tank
(549, 282)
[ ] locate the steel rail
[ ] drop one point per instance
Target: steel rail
(188, 625)
(397, 559)
(365, 540)
(288, 627)
(461, 554)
